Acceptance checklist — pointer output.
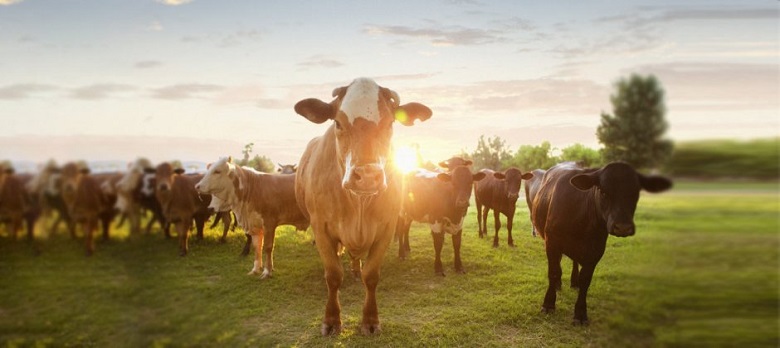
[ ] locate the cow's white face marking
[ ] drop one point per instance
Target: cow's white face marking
(347, 169)
(361, 101)
(147, 189)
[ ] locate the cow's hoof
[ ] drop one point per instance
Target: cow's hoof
(223, 240)
(546, 310)
(370, 329)
(460, 271)
(252, 272)
(266, 275)
(580, 322)
(330, 330)
(440, 273)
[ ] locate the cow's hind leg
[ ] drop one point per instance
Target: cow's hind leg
(480, 225)
(257, 242)
(575, 274)
(483, 231)
(247, 245)
(183, 230)
(268, 249)
(553, 279)
(438, 243)
(226, 221)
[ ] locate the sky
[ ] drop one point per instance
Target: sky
(195, 80)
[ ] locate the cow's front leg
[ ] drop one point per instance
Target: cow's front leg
(334, 273)
(89, 231)
(553, 279)
(438, 243)
(456, 242)
(370, 324)
(183, 230)
(268, 249)
(257, 237)
(497, 224)
(575, 275)
(509, 221)
(581, 307)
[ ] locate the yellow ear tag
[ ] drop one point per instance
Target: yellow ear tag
(401, 116)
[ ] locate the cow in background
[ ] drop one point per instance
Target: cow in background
(87, 202)
(129, 196)
(348, 186)
(180, 202)
(287, 168)
(575, 211)
(17, 205)
(45, 186)
(454, 162)
(441, 200)
(499, 191)
(532, 187)
(260, 201)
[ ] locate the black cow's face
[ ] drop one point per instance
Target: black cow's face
(363, 115)
(513, 178)
(461, 180)
(618, 186)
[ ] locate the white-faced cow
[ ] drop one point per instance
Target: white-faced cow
(180, 202)
(576, 209)
(348, 186)
(260, 201)
(45, 185)
(532, 187)
(441, 200)
(499, 191)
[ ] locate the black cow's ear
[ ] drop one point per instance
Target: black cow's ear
(406, 114)
(479, 176)
(444, 177)
(315, 110)
(499, 176)
(654, 183)
(584, 182)
(179, 171)
(527, 176)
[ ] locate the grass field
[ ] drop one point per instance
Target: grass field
(701, 271)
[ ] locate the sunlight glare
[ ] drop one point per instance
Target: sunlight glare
(405, 159)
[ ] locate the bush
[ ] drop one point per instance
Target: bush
(755, 159)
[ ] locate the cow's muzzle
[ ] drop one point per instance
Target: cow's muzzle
(368, 179)
(622, 229)
(512, 197)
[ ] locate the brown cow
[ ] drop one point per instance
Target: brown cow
(86, 201)
(45, 186)
(349, 188)
(180, 202)
(17, 204)
(441, 200)
(260, 201)
(499, 191)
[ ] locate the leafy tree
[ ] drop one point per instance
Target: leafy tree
(634, 133)
(261, 164)
(246, 152)
(583, 155)
(490, 153)
(529, 157)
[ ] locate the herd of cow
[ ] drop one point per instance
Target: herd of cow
(347, 188)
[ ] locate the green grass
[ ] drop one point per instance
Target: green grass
(701, 271)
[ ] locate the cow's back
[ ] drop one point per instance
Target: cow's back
(486, 189)
(559, 203)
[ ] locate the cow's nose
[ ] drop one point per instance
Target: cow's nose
(163, 187)
(367, 179)
(461, 203)
(622, 229)
(513, 196)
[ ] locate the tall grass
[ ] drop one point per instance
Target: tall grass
(701, 271)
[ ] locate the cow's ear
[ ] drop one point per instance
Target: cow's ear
(278, 170)
(467, 163)
(527, 176)
(499, 176)
(443, 164)
(84, 170)
(444, 177)
(315, 110)
(179, 171)
(584, 182)
(479, 176)
(406, 114)
(148, 170)
(654, 183)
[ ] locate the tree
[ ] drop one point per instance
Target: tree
(246, 152)
(529, 157)
(490, 153)
(259, 163)
(583, 155)
(634, 133)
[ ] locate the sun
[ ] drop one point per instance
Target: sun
(405, 159)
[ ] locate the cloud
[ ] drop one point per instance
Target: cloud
(441, 36)
(24, 90)
(239, 37)
(185, 91)
(717, 86)
(99, 91)
(155, 26)
(146, 64)
(718, 14)
(9, 2)
(174, 2)
(320, 61)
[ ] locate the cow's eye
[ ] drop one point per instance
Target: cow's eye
(217, 172)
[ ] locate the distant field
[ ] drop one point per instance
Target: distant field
(701, 271)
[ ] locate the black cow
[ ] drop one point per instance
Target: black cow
(440, 199)
(454, 162)
(576, 209)
(532, 187)
(499, 191)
